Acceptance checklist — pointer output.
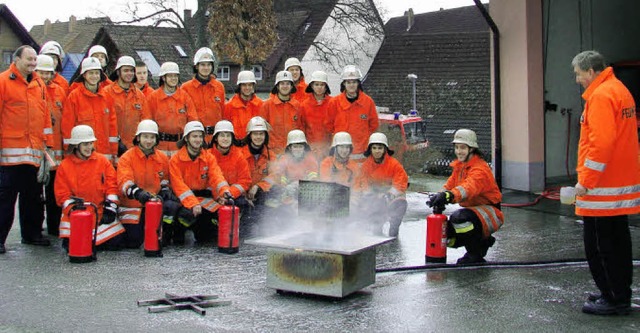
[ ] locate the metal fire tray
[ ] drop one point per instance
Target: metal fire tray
(336, 242)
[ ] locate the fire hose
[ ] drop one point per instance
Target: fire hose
(495, 264)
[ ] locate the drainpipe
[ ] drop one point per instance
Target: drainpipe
(496, 87)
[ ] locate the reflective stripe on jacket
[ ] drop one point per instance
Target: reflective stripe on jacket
(283, 117)
(360, 119)
(239, 113)
(187, 175)
(147, 172)
(25, 122)
(608, 150)
(130, 108)
(474, 187)
(235, 170)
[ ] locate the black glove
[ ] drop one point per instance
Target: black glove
(77, 202)
(203, 193)
(143, 196)
(109, 212)
(440, 199)
(166, 194)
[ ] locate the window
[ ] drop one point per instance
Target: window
(7, 56)
(223, 73)
(180, 51)
(257, 71)
(151, 62)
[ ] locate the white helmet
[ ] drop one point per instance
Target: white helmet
(283, 76)
(192, 126)
(223, 126)
(147, 126)
(319, 76)
(169, 67)
(246, 77)
(341, 138)
(257, 124)
(89, 63)
(81, 134)
(292, 62)
(52, 47)
(351, 72)
(44, 63)
(296, 136)
(466, 136)
(204, 54)
(98, 49)
(125, 61)
(378, 137)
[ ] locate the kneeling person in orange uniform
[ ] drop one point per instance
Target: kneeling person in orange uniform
(143, 173)
(89, 176)
(381, 186)
(337, 167)
(473, 186)
(196, 179)
(231, 160)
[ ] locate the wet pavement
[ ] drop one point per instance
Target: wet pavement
(40, 291)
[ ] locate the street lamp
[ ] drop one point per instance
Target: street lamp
(413, 78)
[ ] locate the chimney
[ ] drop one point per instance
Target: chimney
(410, 18)
(72, 23)
(187, 15)
(47, 27)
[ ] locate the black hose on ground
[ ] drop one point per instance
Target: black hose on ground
(495, 264)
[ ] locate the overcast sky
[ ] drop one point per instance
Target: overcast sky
(34, 12)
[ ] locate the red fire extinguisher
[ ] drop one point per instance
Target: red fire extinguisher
(153, 228)
(436, 250)
(228, 228)
(82, 238)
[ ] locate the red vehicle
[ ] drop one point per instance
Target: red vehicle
(405, 132)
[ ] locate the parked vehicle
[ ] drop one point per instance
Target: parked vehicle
(405, 132)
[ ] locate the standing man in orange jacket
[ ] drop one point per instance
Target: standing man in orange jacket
(244, 105)
(281, 111)
(25, 126)
(206, 92)
(313, 115)
(608, 182)
(56, 96)
(293, 66)
(129, 103)
(353, 112)
(90, 105)
(171, 108)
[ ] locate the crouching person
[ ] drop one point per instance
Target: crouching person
(473, 186)
(381, 186)
(143, 172)
(89, 176)
(196, 179)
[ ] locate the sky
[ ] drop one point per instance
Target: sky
(34, 12)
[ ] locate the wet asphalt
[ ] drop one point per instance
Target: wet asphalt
(40, 291)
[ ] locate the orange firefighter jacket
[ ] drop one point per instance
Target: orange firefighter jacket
(209, 100)
(235, 170)
(130, 108)
(474, 187)
(146, 89)
(608, 150)
(336, 172)
(283, 117)
(147, 172)
(300, 95)
(260, 166)
(103, 84)
(360, 119)
(62, 82)
(388, 176)
(83, 107)
(55, 100)
(171, 113)
(93, 180)
(313, 117)
(25, 122)
(203, 173)
(239, 112)
(288, 169)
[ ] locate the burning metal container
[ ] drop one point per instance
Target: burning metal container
(327, 260)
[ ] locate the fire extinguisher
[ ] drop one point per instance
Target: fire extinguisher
(228, 228)
(153, 228)
(83, 231)
(436, 250)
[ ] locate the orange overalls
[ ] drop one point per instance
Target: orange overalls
(55, 100)
(260, 166)
(336, 172)
(313, 117)
(130, 108)
(209, 100)
(300, 95)
(360, 119)
(235, 169)
(62, 82)
(239, 112)
(283, 117)
(171, 113)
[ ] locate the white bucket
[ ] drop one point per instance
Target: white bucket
(567, 195)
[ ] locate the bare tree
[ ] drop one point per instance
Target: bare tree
(243, 31)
